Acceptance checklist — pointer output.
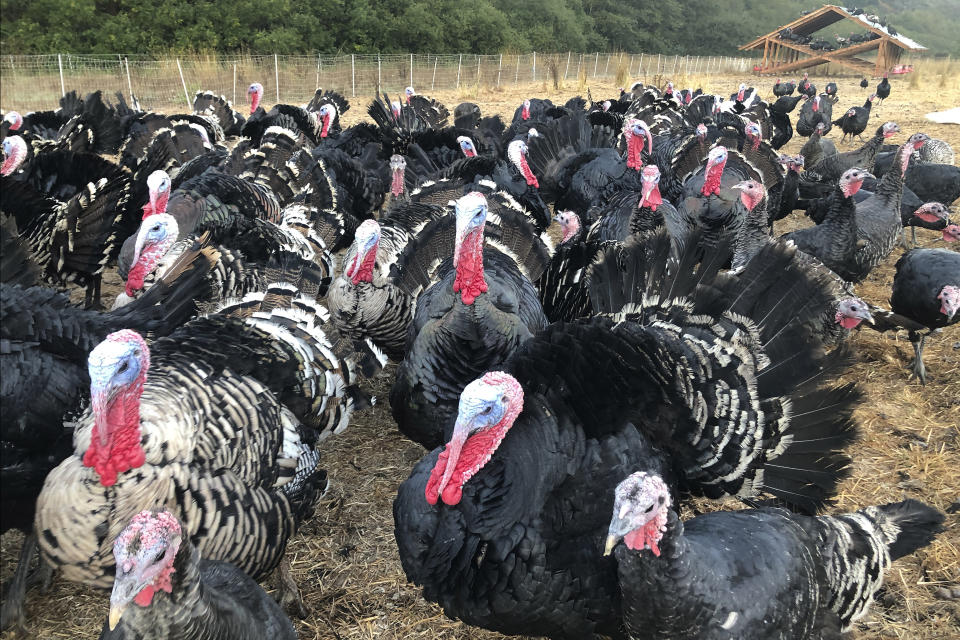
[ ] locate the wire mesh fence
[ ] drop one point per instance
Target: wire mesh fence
(37, 82)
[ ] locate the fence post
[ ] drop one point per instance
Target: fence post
(534, 76)
(436, 59)
(516, 78)
(595, 64)
(63, 90)
(126, 63)
(658, 63)
(184, 83)
(276, 75)
(630, 66)
(318, 71)
(568, 66)
(640, 66)
(234, 83)
(675, 59)
(579, 62)
(353, 75)
(499, 69)
(459, 63)
(606, 68)
(478, 69)
(378, 74)
(411, 69)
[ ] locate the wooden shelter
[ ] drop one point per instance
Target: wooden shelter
(781, 55)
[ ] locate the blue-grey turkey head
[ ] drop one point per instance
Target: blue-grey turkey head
(366, 242)
(851, 312)
(255, 93)
(157, 234)
(158, 188)
(328, 116)
(467, 146)
(488, 408)
(471, 215)
(118, 369)
(144, 552)
(637, 133)
(14, 153)
(517, 154)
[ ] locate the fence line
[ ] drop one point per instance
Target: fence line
(34, 82)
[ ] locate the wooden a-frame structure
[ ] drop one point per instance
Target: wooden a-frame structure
(781, 55)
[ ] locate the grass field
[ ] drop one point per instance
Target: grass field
(345, 558)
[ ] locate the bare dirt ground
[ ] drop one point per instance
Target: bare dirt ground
(345, 558)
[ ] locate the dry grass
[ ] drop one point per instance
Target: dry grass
(345, 558)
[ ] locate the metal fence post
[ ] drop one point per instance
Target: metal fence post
(353, 74)
(378, 74)
(318, 71)
(568, 66)
(276, 75)
(579, 62)
(234, 83)
(436, 59)
(499, 69)
(533, 78)
(126, 63)
(411, 69)
(658, 63)
(63, 89)
(184, 83)
(596, 62)
(478, 70)
(516, 78)
(640, 65)
(606, 68)
(459, 63)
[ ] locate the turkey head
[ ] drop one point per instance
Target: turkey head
(488, 408)
(639, 513)
(144, 552)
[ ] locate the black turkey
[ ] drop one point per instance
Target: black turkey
(164, 590)
(757, 574)
(855, 120)
(481, 308)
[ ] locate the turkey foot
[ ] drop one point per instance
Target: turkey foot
(289, 594)
(11, 615)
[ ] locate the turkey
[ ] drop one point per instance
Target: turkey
(835, 241)
(781, 88)
(629, 212)
(883, 89)
(307, 123)
(926, 295)
(577, 166)
(364, 301)
(878, 217)
(930, 215)
(708, 201)
(755, 231)
(45, 381)
(863, 83)
(562, 286)
(951, 233)
(789, 193)
(829, 169)
(224, 412)
(72, 240)
(165, 590)
(207, 103)
(480, 309)
(504, 526)
(855, 120)
(806, 88)
(757, 574)
(429, 110)
(813, 112)
(934, 182)
(830, 90)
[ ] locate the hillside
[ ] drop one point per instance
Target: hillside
(476, 26)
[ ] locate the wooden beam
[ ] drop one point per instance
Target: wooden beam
(802, 19)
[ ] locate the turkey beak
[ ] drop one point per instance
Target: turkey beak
(867, 316)
(607, 548)
(115, 614)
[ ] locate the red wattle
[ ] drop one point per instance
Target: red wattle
(652, 199)
(145, 597)
(115, 439)
(364, 273)
(528, 174)
(711, 182)
(326, 127)
(927, 217)
(472, 457)
(147, 211)
(634, 151)
(647, 535)
(470, 153)
(525, 113)
(396, 183)
(849, 323)
(469, 282)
